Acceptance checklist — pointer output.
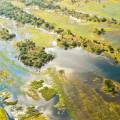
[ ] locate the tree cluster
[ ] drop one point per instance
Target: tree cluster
(5, 34)
(32, 55)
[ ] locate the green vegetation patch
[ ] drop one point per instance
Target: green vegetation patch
(5, 35)
(70, 40)
(32, 114)
(7, 98)
(40, 38)
(36, 84)
(99, 31)
(109, 87)
(56, 6)
(36, 89)
(104, 8)
(58, 78)
(33, 94)
(33, 89)
(42, 3)
(32, 55)
(63, 22)
(10, 11)
(48, 93)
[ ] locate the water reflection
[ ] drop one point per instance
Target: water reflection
(79, 60)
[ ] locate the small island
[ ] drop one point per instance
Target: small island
(32, 114)
(99, 47)
(6, 35)
(32, 55)
(111, 87)
(36, 89)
